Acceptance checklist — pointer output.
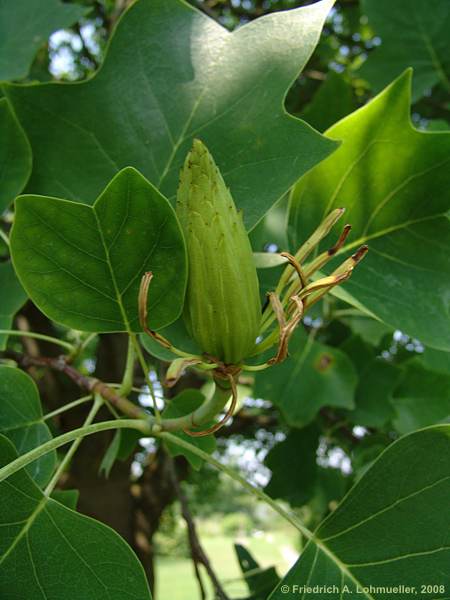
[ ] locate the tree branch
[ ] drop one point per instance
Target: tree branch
(90, 384)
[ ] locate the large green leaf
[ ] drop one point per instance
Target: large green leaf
(12, 296)
(21, 420)
(422, 398)
(50, 551)
(172, 73)
(25, 26)
(394, 182)
(392, 528)
(15, 156)
(82, 264)
(313, 376)
(414, 34)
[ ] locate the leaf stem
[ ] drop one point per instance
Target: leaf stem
(127, 379)
(4, 237)
(143, 425)
(38, 336)
(146, 371)
(203, 414)
(73, 448)
(62, 409)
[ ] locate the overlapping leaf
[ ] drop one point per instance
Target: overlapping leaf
(296, 455)
(259, 581)
(422, 398)
(172, 74)
(391, 529)
(21, 420)
(15, 156)
(82, 265)
(394, 182)
(373, 397)
(25, 26)
(12, 297)
(333, 101)
(414, 34)
(50, 551)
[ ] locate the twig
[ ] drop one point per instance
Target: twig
(198, 554)
(90, 384)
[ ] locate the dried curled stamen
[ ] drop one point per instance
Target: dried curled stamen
(226, 417)
(294, 262)
(326, 256)
(177, 368)
(342, 273)
(286, 329)
(143, 313)
(341, 241)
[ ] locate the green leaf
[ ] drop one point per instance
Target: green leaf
(296, 455)
(414, 34)
(122, 445)
(184, 403)
(82, 265)
(435, 360)
(21, 420)
(373, 397)
(67, 497)
(360, 352)
(370, 330)
(25, 26)
(12, 297)
(332, 101)
(313, 376)
(422, 398)
(50, 551)
(390, 530)
(15, 155)
(171, 73)
(259, 581)
(394, 182)
(110, 455)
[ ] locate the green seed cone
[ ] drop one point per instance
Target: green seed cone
(223, 308)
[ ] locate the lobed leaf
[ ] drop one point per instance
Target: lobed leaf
(82, 265)
(171, 74)
(414, 34)
(394, 182)
(31, 21)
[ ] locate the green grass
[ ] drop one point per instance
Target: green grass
(175, 579)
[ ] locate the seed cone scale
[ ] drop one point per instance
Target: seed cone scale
(223, 308)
